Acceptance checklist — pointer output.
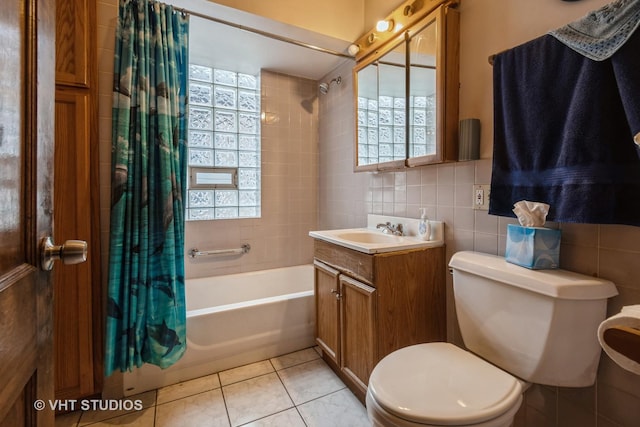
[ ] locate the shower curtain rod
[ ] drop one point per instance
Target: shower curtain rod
(264, 33)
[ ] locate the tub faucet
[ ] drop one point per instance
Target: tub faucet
(388, 228)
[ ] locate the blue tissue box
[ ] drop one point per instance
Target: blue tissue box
(537, 248)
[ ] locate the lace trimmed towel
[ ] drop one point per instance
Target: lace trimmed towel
(602, 32)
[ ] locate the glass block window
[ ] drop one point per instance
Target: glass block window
(224, 136)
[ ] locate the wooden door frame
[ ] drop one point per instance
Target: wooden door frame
(40, 131)
(77, 77)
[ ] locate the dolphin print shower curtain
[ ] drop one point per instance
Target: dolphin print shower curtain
(146, 312)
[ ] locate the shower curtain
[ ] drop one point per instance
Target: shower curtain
(146, 312)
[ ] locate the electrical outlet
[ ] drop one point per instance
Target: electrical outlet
(481, 196)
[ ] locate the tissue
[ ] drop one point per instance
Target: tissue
(529, 244)
(531, 214)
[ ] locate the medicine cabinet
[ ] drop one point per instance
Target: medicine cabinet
(406, 90)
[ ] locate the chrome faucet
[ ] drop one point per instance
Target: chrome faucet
(388, 228)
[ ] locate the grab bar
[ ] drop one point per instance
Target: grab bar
(195, 252)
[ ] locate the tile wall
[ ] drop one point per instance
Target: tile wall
(289, 188)
(107, 13)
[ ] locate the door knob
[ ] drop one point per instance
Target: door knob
(71, 252)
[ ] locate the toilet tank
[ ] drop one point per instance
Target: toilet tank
(539, 325)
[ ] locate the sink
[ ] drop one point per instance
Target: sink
(367, 236)
(372, 241)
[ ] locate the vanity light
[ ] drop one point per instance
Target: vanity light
(353, 49)
(372, 37)
(384, 25)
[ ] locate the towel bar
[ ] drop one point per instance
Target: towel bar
(195, 252)
(492, 58)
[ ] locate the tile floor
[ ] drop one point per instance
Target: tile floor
(296, 389)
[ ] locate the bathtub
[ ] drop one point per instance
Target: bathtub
(237, 319)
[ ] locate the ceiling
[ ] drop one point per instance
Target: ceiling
(225, 46)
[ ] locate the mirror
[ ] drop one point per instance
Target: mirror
(422, 93)
(382, 111)
(407, 96)
(367, 116)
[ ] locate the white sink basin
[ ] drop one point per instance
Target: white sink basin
(371, 241)
(366, 236)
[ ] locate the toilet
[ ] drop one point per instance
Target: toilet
(519, 326)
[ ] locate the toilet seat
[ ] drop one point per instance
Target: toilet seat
(441, 384)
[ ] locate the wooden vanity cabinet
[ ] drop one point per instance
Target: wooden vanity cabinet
(368, 306)
(326, 287)
(358, 332)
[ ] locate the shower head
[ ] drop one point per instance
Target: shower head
(324, 87)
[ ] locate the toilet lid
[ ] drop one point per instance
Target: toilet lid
(439, 383)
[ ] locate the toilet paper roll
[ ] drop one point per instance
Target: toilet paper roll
(619, 336)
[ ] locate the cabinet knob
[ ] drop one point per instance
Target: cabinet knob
(336, 293)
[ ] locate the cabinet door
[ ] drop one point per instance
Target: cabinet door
(73, 337)
(358, 343)
(327, 310)
(74, 37)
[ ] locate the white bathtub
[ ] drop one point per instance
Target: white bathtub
(238, 319)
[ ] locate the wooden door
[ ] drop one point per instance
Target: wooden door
(327, 310)
(26, 161)
(359, 336)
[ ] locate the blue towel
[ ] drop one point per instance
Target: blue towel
(564, 129)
